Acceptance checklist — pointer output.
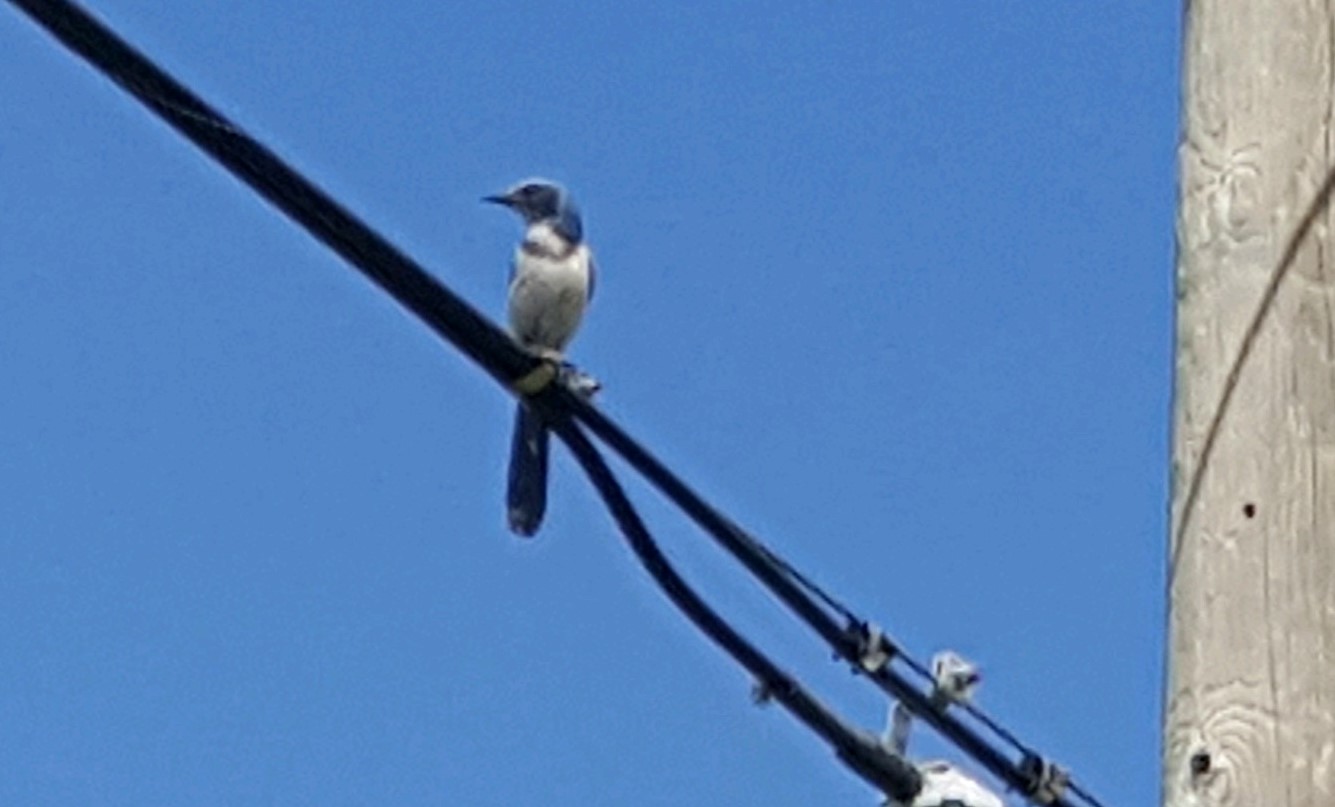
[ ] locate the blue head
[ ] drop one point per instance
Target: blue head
(540, 201)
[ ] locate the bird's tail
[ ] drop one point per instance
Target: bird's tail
(526, 493)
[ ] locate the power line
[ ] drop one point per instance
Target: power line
(888, 772)
(850, 637)
(848, 641)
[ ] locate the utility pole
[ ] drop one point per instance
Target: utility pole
(1250, 702)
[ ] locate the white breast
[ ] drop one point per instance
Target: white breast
(549, 290)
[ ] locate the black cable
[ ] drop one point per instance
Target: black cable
(299, 198)
(843, 640)
(890, 774)
(488, 346)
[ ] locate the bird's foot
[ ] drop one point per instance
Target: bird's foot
(578, 381)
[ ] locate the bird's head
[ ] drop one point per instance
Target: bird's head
(539, 201)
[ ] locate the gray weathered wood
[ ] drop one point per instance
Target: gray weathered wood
(1250, 715)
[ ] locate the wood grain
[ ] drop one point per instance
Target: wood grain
(1250, 715)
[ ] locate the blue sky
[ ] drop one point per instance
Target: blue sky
(889, 282)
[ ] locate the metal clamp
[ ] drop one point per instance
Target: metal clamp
(536, 380)
(1046, 781)
(874, 651)
(954, 679)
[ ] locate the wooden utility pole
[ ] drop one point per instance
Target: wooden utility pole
(1250, 712)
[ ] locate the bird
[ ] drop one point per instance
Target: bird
(551, 284)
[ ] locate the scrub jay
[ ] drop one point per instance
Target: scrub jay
(551, 283)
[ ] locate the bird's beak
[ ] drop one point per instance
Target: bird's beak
(500, 199)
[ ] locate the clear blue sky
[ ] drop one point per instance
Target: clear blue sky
(890, 282)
